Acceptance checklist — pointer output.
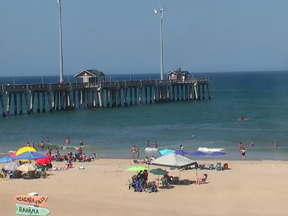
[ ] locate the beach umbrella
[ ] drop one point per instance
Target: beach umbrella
(26, 167)
(44, 160)
(136, 168)
(158, 171)
(181, 152)
(11, 166)
(25, 149)
(6, 159)
(198, 153)
(29, 156)
(166, 151)
(217, 154)
(13, 154)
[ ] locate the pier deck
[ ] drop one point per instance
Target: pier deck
(36, 98)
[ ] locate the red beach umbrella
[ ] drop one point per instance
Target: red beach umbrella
(42, 161)
(13, 154)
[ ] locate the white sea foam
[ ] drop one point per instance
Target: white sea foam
(205, 149)
(151, 149)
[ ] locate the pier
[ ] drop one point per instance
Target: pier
(41, 98)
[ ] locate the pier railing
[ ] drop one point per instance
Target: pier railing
(111, 84)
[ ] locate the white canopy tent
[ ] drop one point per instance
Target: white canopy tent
(175, 161)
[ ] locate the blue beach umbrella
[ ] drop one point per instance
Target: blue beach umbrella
(6, 159)
(217, 154)
(181, 152)
(199, 153)
(166, 151)
(29, 156)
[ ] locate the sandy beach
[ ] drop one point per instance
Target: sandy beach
(247, 188)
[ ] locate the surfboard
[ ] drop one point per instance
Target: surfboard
(245, 119)
(32, 200)
(30, 210)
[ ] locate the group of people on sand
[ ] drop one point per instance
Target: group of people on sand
(155, 144)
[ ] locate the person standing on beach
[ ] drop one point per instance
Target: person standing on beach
(32, 144)
(133, 150)
(138, 153)
(243, 152)
(275, 144)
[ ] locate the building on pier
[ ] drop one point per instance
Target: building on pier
(90, 76)
(178, 74)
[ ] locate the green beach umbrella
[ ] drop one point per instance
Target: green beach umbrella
(158, 171)
(137, 168)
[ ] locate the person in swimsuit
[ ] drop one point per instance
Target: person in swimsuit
(81, 142)
(252, 143)
(148, 143)
(42, 145)
(156, 145)
(243, 152)
(138, 153)
(47, 139)
(240, 145)
(275, 144)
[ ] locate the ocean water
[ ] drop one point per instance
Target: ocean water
(110, 132)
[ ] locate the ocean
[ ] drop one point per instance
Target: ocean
(110, 132)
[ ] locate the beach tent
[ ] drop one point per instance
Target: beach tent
(198, 154)
(166, 151)
(29, 156)
(181, 152)
(6, 159)
(173, 160)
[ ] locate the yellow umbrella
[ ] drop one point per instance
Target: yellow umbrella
(25, 149)
(26, 168)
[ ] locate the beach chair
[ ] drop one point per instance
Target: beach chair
(164, 182)
(151, 187)
(139, 185)
(218, 167)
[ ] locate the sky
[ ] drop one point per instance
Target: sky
(122, 36)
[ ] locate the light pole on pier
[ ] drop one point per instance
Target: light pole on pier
(161, 43)
(60, 42)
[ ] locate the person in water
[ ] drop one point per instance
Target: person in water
(32, 144)
(42, 145)
(156, 145)
(67, 141)
(81, 142)
(252, 143)
(47, 139)
(242, 118)
(148, 143)
(275, 144)
(240, 145)
(28, 144)
(181, 147)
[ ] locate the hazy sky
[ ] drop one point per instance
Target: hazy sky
(122, 36)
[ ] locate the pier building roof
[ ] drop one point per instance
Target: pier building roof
(89, 73)
(178, 72)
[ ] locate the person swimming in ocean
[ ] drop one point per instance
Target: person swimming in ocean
(252, 143)
(148, 143)
(42, 145)
(81, 142)
(275, 144)
(47, 139)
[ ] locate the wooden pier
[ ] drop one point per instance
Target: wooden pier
(28, 99)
